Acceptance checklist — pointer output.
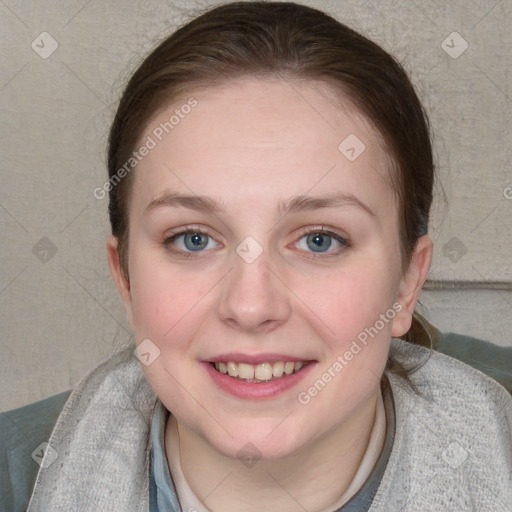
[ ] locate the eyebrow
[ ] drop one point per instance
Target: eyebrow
(292, 205)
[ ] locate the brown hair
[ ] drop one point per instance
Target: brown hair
(281, 39)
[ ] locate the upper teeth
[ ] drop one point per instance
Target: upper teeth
(263, 371)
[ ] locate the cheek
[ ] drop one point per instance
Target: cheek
(359, 312)
(164, 301)
(168, 308)
(352, 300)
(163, 306)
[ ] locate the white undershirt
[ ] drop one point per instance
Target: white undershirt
(189, 501)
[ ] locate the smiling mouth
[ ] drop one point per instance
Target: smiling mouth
(264, 372)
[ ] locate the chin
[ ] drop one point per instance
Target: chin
(258, 443)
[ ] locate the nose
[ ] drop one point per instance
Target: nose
(254, 299)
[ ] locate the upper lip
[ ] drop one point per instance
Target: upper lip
(256, 358)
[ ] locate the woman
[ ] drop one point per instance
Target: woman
(270, 181)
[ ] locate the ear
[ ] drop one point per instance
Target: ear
(117, 273)
(411, 284)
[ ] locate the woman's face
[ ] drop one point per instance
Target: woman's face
(264, 230)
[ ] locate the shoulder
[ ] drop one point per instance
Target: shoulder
(453, 433)
(22, 432)
(442, 378)
(491, 359)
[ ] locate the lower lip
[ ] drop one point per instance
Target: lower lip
(257, 390)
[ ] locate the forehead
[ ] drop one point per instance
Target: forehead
(255, 137)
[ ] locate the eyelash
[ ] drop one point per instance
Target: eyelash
(344, 242)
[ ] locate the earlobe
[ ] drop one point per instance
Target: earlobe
(411, 284)
(117, 273)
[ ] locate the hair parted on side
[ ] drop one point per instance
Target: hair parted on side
(290, 41)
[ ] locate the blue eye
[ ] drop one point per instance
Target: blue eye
(190, 241)
(195, 241)
(319, 241)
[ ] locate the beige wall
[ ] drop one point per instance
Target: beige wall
(60, 313)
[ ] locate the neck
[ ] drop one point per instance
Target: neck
(313, 478)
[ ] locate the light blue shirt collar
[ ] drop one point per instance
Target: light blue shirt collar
(162, 494)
